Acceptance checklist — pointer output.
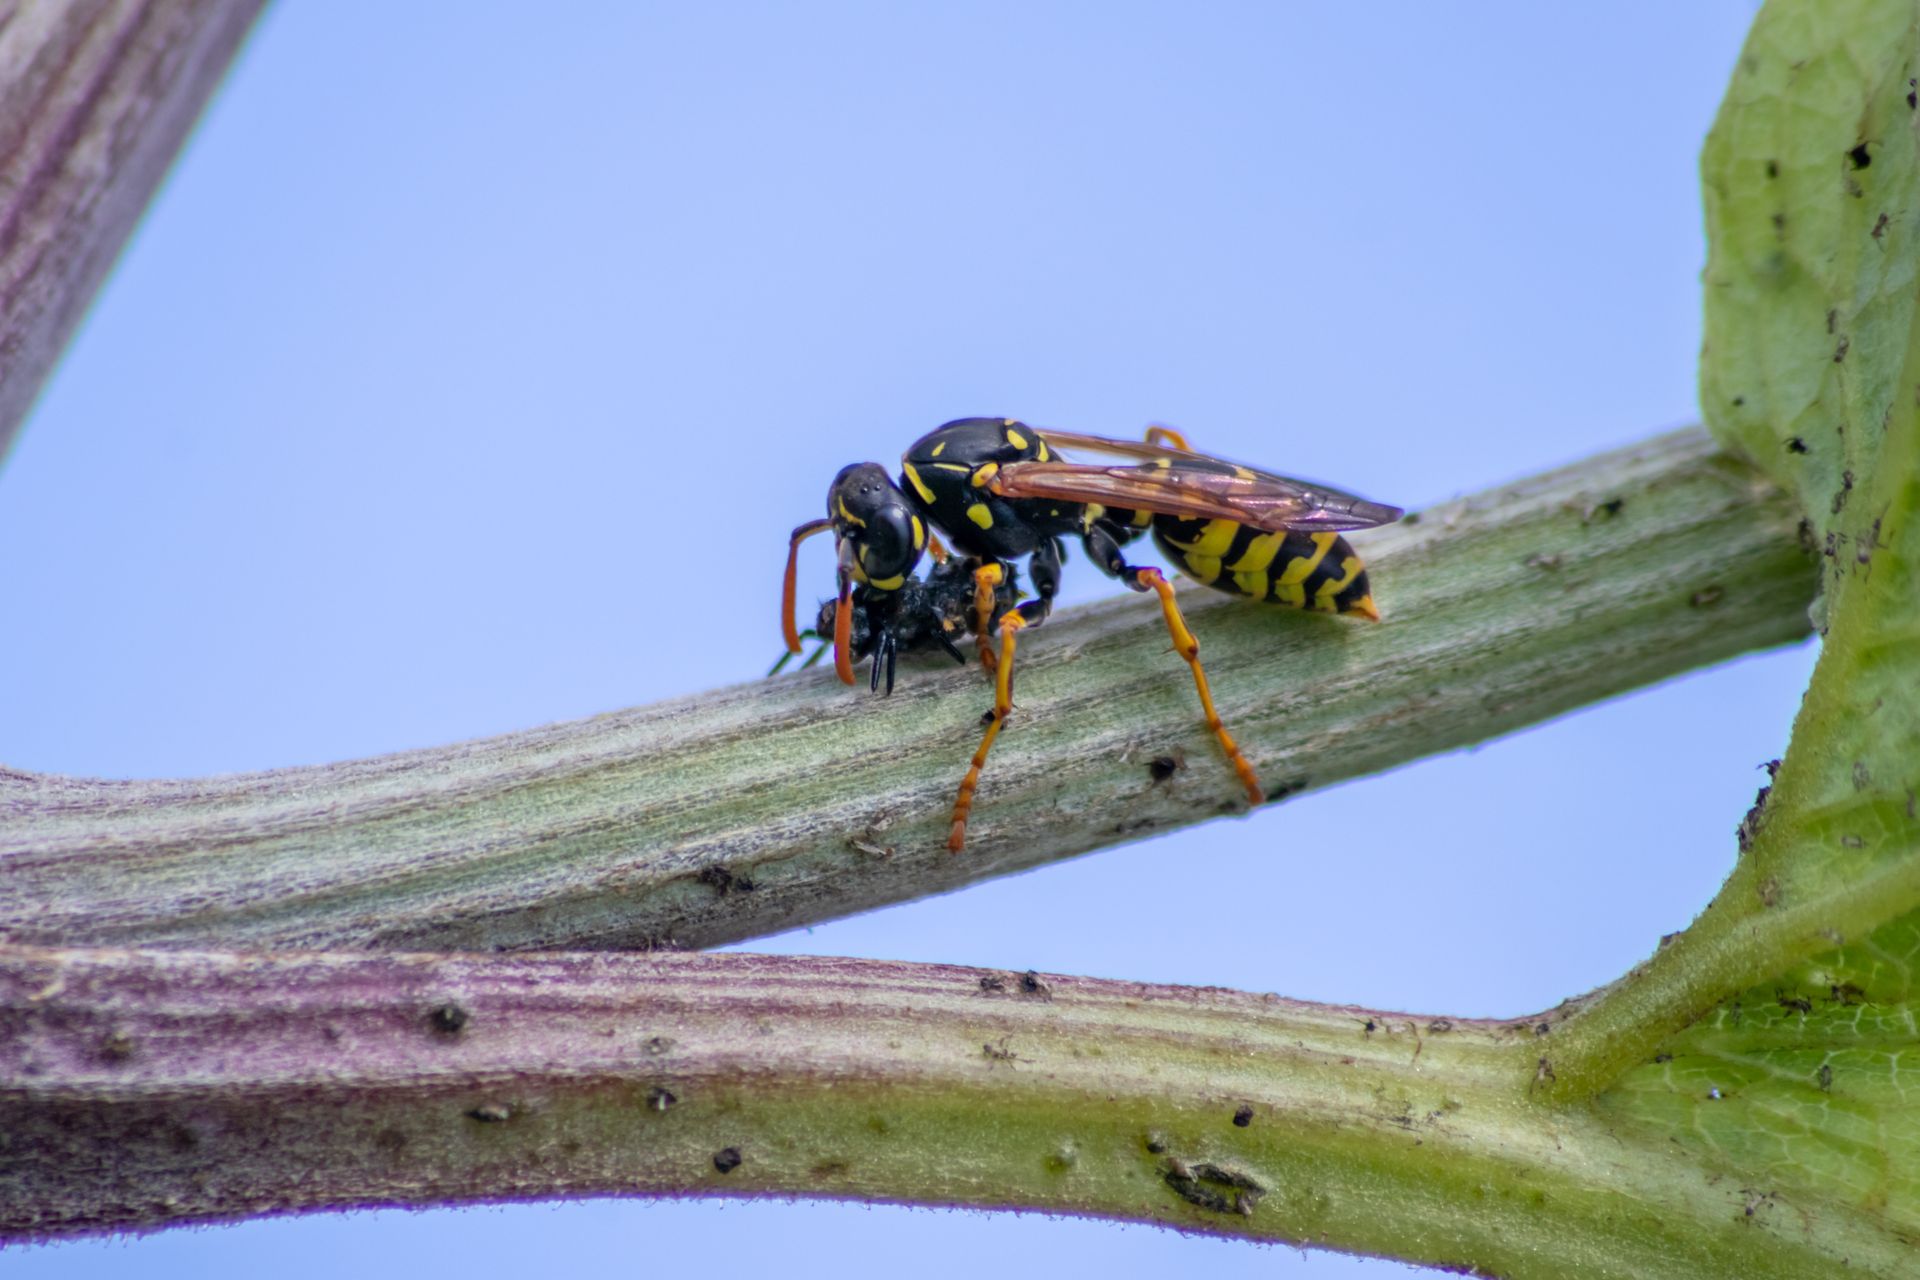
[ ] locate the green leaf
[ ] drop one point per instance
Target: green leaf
(1813, 207)
(1809, 185)
(1805, 1084)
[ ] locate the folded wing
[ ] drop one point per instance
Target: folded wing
(1178, 483)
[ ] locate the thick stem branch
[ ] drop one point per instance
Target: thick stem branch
(784, 802)
(144, 1088)
(96, 97)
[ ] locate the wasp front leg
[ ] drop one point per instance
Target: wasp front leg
(1010, 625)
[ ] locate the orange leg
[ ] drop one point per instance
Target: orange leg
(1189, 648)
(800, 535)
(843, 617)
(843, 631)
(936, 548)
(1168, 437)
(986, 583)
(1002, 707)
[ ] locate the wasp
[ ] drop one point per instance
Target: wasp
(1000, 490)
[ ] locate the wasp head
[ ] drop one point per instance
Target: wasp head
(878, 538)
(880, 534)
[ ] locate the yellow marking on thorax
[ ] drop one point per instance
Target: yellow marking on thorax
(983, 475)
(1042, 455)
(1014, 438)
(919, 485)
(940, 448)
(980, 515)
(961, 467)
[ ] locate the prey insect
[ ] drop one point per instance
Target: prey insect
(998, 489)
(926, 614)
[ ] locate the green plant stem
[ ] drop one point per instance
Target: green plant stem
(1730, 948)
(144, 1088)
(788, 801)
(96, 97)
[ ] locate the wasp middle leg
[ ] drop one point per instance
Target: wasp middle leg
(993, 578)
(986, 586)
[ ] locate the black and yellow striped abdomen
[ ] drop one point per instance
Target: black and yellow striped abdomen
(1307, 570)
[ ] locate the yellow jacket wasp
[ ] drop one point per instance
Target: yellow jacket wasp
(999, 489)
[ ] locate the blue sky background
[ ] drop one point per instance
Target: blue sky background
(457, 348)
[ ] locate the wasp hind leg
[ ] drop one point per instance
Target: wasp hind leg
(1188, 647)
(1167, 436)
(1104, 547)
(1010, 625)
